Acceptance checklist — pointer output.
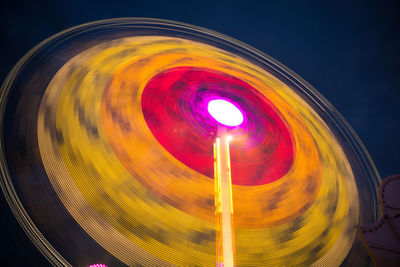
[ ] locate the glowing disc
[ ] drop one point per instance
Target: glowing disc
(225, 112)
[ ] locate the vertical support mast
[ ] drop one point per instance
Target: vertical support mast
(223, 203)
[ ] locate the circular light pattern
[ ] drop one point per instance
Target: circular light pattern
(253, 147)
(225, 112)
(108, 144)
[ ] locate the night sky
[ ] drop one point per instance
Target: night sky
(348, 50)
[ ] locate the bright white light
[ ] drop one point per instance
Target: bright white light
(225, 112)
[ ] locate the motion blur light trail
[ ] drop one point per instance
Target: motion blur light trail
(124, 122)
(110, 133)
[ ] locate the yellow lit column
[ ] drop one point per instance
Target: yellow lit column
(223, 203)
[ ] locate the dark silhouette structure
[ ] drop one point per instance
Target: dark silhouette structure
(382, 238)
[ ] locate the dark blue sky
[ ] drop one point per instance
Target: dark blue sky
(348, 50)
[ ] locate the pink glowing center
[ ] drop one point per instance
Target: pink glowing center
(98, 265)
(225, 112)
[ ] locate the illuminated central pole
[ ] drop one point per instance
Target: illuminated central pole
(223, 203)
(229, 115)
